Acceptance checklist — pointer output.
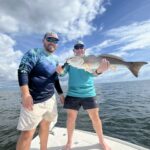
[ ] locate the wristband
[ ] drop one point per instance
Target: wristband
(98, 73)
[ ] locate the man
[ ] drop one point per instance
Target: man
(81, 92)
(37, 78)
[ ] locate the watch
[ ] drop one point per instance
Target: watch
(98, 72)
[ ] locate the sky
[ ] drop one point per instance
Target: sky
(121, 28)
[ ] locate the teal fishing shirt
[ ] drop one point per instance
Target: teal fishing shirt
(81, 82)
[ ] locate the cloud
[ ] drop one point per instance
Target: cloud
(73, 19)
(8, 24)
(125, 39)
(99, 47)
(131, 37)
(9, 58)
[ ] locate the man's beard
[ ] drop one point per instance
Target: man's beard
(50, 48)
(81, 54)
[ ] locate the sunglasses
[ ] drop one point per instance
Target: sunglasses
(51, 39)
(79, 47)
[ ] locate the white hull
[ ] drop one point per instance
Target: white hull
(82, 140)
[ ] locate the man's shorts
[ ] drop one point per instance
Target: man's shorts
(76, 102)
(29, 120)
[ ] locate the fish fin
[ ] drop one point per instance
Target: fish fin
(113, 67)
(134, 67)
(86, 66)
(108, 56)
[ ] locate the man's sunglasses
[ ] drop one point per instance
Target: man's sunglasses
(51, 39)
(79, 46)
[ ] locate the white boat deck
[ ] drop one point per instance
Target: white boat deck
(82, 141)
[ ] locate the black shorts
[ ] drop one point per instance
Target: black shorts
(76, 102)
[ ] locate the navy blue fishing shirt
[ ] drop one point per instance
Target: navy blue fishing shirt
(37, 70)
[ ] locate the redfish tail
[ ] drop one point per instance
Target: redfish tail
(135, 67)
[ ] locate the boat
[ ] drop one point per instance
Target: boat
(82, 140)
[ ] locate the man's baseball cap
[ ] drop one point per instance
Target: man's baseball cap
(51, 34)
(79, 43)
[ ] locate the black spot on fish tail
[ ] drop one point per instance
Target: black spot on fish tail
(135, 67)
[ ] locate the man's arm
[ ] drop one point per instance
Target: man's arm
(62, 70)
(104, 65)
(58, 87)
(59, 90)
(27, 63)
(27, 100)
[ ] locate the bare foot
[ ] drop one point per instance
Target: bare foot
(105, 146)
(67, 147)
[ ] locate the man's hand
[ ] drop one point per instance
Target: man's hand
(62, 98)
(27, 102)
(104, 65)
(59, 69)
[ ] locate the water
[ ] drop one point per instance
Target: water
(124, 111)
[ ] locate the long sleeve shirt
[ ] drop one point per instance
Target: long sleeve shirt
(37, 70)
